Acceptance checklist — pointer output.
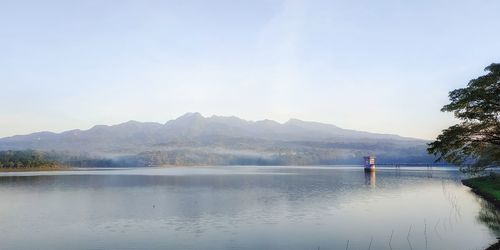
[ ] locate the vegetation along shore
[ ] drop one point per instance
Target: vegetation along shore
(487, 187)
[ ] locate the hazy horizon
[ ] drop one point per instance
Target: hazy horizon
(383, 67)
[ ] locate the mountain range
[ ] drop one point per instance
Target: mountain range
(220, 140)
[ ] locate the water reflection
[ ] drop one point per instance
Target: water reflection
(371, 179)
(244, 208)
(489, 215)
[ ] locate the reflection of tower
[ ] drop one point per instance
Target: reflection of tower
(370, 178)
(369, 163)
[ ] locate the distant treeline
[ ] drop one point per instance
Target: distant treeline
(32, 159)
(25, 159)
(192, 157)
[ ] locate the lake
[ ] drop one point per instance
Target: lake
(243, 208)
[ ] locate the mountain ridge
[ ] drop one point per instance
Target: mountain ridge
(193, 139)
(198, 116)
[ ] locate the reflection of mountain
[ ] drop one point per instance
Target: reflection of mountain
(193, 139)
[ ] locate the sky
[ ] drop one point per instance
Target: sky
(381, 66)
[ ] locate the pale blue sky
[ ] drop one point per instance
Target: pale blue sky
(381, 66)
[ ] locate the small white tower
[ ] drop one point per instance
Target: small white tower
(369, 163)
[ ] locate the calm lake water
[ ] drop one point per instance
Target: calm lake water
(243, 208)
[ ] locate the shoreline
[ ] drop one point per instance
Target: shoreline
(41, 169)
(483, 187)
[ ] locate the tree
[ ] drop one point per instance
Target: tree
(474, 143)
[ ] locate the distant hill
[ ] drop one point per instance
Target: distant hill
(196, 140)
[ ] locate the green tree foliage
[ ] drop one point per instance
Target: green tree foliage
(473, 144)
(24, 159)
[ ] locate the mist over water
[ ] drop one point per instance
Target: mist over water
(243, 208)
